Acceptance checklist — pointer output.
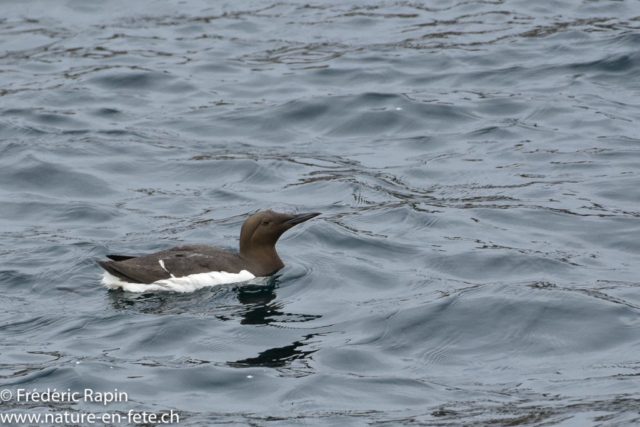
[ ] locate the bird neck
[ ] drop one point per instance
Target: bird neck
(265, 258)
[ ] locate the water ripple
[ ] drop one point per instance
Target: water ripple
(475, 164)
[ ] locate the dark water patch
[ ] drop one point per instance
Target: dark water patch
(339, 235)
(11, 129)
(85, 213)
(368, 114)
(136, 81)
(27, 210)
(206, 177)
(58, 120)
(503, 107)
(16, 280)
(50, 179)
(217, 68)
(611, 64)
(298, 55)
(108, 112)
(527, 338)
(474, 265)
(622, 40)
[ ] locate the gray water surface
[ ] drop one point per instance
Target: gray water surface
(476, 166)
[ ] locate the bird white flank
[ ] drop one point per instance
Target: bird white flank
(178, 284)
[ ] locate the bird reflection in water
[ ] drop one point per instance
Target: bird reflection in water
(262, 311)
(257, 307)
(277, 357)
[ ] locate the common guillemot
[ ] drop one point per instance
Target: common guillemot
(187, 268)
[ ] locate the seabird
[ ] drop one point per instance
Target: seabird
(187, 268)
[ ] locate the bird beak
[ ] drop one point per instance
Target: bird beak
(300, 218)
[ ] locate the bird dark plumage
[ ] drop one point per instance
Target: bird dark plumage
(258, 255)
(120, 257)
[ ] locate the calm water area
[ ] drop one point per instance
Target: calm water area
(476, 164)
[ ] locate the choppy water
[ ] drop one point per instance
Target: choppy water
(476, 164)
